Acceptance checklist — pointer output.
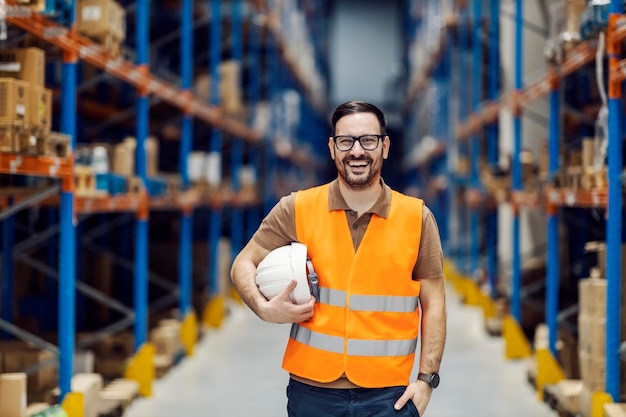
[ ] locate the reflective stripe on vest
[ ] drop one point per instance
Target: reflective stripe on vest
(356, 347)
(382, 303)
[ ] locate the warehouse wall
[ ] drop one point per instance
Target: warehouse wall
(365, 51)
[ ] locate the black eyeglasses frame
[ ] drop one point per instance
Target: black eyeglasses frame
(356, 139)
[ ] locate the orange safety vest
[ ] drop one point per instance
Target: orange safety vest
(367, 321)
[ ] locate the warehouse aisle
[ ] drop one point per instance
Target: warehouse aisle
(236, 372)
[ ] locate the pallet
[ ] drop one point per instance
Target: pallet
(555, 400)
(58, 144)
(123, 391)
(493, 326)
(15, 137)
(84, 181)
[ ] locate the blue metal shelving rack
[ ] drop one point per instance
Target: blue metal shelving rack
(474, 157)
(614, 219)
(215, 145)
(186, 220)
(141, 224)
(67, 234)
(237, 151)
(67, 230)
(516, 267)
(492, 144)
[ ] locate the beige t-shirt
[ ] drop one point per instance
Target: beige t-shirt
(279, 228)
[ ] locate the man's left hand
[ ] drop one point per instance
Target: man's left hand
(418, 392)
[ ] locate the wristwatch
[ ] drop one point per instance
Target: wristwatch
(430, 379)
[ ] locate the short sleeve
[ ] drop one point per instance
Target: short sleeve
(430, 257)
(278, 228)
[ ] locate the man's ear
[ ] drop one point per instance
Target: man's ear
(386, 146)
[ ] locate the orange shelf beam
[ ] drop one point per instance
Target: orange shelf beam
(87, 50)
(38, 166)
(563, 197)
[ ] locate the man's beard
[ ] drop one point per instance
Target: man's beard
(360, 182)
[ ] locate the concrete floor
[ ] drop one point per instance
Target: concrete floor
(236, 371)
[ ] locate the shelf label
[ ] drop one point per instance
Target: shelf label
(18, 12)
(91, 13)
(15, 164)
(10, 66)
(570, 197)
(554, 197)
(54, 32)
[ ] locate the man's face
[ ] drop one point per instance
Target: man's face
(358, 168)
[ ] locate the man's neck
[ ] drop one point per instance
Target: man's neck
(360, 200)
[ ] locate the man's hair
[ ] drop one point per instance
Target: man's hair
(354, 106)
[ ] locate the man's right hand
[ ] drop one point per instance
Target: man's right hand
(281, 309)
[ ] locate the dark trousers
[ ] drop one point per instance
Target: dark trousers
(309, 401)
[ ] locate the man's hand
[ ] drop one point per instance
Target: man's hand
(418, 392)
(281, 309)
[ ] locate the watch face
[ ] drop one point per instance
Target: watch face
(434, 380)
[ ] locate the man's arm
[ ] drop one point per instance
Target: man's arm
(278, 310)
(433, 330)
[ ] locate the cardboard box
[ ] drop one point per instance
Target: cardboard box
(592, 297)
(614, 410)
(39, 113)
(10, 136)
(124, 157)
(13, 100)
(18, 356)
(13, 395)
(592, 335)
(90, 386)
(99, 18)
(568, 393)
(26, 64)
(592, 372)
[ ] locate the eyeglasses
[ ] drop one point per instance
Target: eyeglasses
(346, 142)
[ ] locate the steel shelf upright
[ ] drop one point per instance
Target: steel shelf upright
(237, 151)
(187, 314)
(553, 270)
(448, 141)
(516, 344)
(474, 159)
(272, 77)
(67, 233)
(463, 243)
(8, 238)
(141, 224)
(253, 215)
(516, 273)
(614, 208)
(491, 240)
(214, 314)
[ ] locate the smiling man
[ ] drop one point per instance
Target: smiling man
(378, 257)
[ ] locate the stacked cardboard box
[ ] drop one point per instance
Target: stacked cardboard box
(104, 21)
(18, 356)
(13, 394)
(25, 103)
(592, 330)
(230, 88)
(614, 410)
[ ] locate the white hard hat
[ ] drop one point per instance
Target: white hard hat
(282, 265)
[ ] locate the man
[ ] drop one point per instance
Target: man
(377, 252)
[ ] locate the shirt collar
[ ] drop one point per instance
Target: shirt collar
(380, 208)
